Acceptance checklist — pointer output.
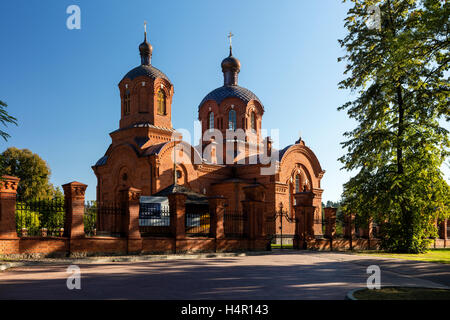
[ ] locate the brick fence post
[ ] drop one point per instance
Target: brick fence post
(330, 218)
(254, 208)
(130, 200)
(217, 211)
(74, 202)
(304, 214)
(177, 203)
(8, 191)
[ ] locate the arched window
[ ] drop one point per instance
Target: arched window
(253, 121)
(232, 120)
(126, 103)
(297, 183)
(161, 102)
(211, 120)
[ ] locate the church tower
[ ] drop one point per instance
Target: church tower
(146, 93)
(234, 111)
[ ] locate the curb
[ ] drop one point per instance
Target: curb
(143, 258)
(350, 294)
(9, 265)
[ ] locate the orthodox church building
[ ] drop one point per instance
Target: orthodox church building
(144, 154)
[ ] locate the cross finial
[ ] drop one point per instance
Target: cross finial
(230, 36)
(145, 29)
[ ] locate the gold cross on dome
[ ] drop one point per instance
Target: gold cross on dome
(230, 36)
(145, 26)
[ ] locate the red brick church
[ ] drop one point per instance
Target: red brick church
(143, 148)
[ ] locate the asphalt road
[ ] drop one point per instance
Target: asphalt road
(281, 275)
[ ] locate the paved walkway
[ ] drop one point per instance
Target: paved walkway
(281, 275)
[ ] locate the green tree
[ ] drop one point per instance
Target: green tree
(399, 73)
(5, 119)
(33, 172)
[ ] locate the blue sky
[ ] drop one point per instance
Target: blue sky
(61, 84)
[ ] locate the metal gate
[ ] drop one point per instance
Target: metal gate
(283, 234)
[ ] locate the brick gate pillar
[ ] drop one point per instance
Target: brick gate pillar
(177, 203)
(304, 214)
(330, 220)
(254, 208)
(317, 215)
(74, 202)
(130, 200)
(217, 211)
(8, 191)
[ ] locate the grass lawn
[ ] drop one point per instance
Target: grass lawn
(285, 246)
(403, 294)
(433, 255)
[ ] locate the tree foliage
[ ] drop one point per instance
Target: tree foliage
(399, 74)
(5, 119)
(33, 172)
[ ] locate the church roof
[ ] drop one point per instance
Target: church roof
(192, 196)
(224, 92)
(101, 161)
(146, 70)
(283, 151)
(154, 149)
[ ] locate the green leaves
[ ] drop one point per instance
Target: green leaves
(5, 119)
(399, 74)
(33, 172)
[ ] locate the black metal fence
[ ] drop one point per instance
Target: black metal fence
(198, 223)
(40, 217)
(280, 227)
(154, 221)
(90, 218)
(234, 224)
(105, 219)
(340, 228)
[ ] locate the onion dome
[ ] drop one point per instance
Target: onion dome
(146, 68)
(146, 50)
(231, 67)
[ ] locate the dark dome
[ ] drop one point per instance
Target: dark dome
(145, 48)
(224, 92)
(146, 70)
(231, 63)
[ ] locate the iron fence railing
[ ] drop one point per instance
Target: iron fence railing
(90, 218)
(340, 228)
(234, 224)
(40, 217)
(198, 223)
(109, 219)
(154, 221)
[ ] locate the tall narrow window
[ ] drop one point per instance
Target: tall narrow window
(211, 120)
(232, 120)
(126, 103)
(161, 102)
(297, 183)
(253, 121)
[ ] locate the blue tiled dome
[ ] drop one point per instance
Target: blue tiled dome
(224, 92)
(146, 70)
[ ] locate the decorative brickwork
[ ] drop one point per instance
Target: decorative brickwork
(74, 201)
(8, 190)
